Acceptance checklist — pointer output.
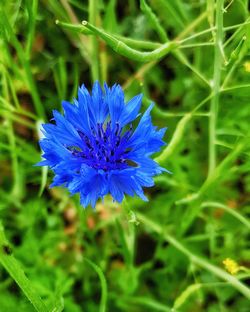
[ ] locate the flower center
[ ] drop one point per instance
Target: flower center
(105, 148)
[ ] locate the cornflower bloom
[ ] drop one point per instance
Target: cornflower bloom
(95, 148)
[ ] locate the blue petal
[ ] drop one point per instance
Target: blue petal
(90, 183)
(145, 137)
(54, 152)
(61, 179)
(63, 131)
(97, 188)
(143, 179)
(140, 132)
(116, 188)
(99, 107)
(86, 104)
(131, 110)
(77, 115)
(115, 99)
(123, 182)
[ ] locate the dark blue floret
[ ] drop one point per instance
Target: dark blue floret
(94, 149)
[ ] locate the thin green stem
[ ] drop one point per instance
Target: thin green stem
(195, 45)
(198, 34)
(26, 65)
(32, 12)
(138, 75)
(63, 10)
(236, 33)
(178, 134)
(93, 13)
(171, 10)
(202, 103)
(192, 26)
(14, 269)
(153, 20)
(232, 88)
(215, 176)
(216, 86)
(139, 44)
(237, 56)
(184, 60)
(133, 43)
(146, 302)
(103, 281)
(12, 142)
(231, 211)
(211, 29)
(195, 259)
(180, 131)
(247, 22)
(12, 89)
(74, 27)
(20, 120)
(184, 296)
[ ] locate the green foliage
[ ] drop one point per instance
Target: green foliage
(191, 58)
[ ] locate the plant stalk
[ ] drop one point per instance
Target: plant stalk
(218, 57)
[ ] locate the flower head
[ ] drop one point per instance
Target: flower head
(94, 149)
(231, 266)
(247, 66)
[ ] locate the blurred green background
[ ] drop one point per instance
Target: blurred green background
(187, 249)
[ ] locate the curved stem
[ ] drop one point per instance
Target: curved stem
(178, 134)
(103, 281)
(231, 211)
(123, 49)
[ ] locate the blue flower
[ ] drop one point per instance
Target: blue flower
(95, 148)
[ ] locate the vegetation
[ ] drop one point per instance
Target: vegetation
(187, 248)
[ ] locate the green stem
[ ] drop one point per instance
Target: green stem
(104, 287)
(74, 27)
(32, 12)
(211, 29)
(197, 260)
(138, 44)
(195, 200)
(26, 66)
(14, 269)
(153, 20)
(123, 49)
(235, 87)
(240, 27)
(236, 56)
(184, 296)
(12, 142)
(93, 12)
(216, 86)
(133, 43)
(224, 165)
(178, 134)
(215, 176)
(195, 45)
(231, 211)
